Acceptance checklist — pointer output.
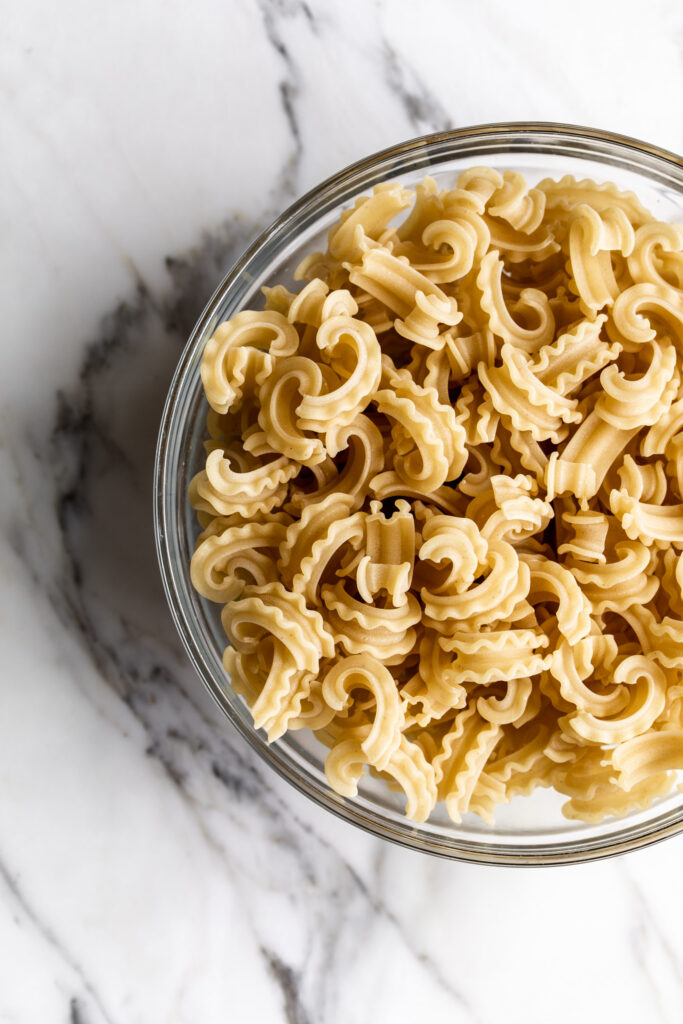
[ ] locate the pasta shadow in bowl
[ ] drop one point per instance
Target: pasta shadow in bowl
(530, 829)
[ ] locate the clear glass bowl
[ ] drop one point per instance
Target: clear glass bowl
(530, 830)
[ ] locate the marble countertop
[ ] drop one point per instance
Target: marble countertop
(151, 869)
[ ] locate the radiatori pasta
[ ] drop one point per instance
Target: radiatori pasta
(442, 504)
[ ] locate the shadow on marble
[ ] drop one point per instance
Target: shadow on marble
(102, 457)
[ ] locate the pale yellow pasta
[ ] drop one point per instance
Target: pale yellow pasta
(501, 321)
(355, 356)
(429, 442)
(442, 497)
(369, 218)
(465, 750)
(223, 562)
(646, 755)
(592, 238)
(420, 305)
(365, 673)
(530, 405)
(242, 348)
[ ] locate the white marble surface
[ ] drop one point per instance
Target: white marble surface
(151, 870)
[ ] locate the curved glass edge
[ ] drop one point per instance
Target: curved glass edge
(664, 167)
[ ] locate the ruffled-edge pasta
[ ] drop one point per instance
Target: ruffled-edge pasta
(442, 497)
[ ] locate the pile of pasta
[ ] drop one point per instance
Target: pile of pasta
(442, 502)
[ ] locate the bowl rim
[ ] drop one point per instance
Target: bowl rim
(576, 851)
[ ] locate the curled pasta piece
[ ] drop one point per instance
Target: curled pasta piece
(465, 749)
(409, 767)
(449, 246)
(647, 689)
(419, 304)
(500, 319)
(592, 238)
(280, 396)
(530, 406)
(612, 801)
(500, 654)
(371, 216)
(275, 611)
(456, 545)
(220, 490)
(508, 505)
(362, 445)
(312, 543)
(481, 182)
(567, 193)
(589, 661)
(651, 754)
(295, 639)
(224, 562)
(595, 445)
(355, 356)
(627, 403)
(576, 355)
(475, 413)
(389, 633)
(510, 706)
(306, 307)
(430, 443)
(550, 581)
(618, 584)
(466, 352)
(660, 525)
(241, 348)
(363, 672)
(515, 202)
(272, 684)
(589, 534)
(387, 565)
(630, 326)
(652, 241)
(505, 584)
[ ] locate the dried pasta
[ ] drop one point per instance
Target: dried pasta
(442, 500)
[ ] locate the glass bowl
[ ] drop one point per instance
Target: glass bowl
(529, 830)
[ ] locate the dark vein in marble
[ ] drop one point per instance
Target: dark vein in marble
(76, 1015)
(425, 113)
(53, 941)
(380, 907)
(288, 982)
(273, 12)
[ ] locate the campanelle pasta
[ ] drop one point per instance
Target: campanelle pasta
(442, 503)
